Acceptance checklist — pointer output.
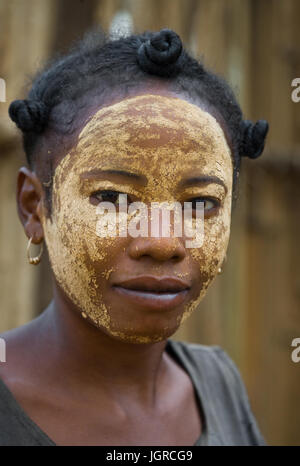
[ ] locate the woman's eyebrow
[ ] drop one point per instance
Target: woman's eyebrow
(202, 180)
(99, 174)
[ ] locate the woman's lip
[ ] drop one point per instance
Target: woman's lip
(152, 300)
(154, 284)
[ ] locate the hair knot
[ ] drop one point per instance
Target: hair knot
(161, 53)
(253, 137)
(29, 115)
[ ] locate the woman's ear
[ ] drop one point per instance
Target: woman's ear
(29, 201)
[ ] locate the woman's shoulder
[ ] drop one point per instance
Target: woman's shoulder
(222, 388)
(219, 375)
(21, 356)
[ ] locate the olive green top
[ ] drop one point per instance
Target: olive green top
(220, 392)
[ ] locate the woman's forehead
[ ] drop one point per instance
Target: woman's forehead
(151, 133)
(149, 116)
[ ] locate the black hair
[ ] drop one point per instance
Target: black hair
(98, 65)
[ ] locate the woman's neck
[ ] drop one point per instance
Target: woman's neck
(83, 355)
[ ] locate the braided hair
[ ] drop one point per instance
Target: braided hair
(97, 65)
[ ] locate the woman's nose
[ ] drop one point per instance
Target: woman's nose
(160, 248)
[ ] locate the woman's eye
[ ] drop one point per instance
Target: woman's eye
(106, 196)
(208, 203)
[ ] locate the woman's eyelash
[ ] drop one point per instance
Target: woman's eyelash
(110, 195)
(215, 202)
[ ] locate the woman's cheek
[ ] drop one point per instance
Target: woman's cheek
(77, 255)
(216, 233)
(208, 258)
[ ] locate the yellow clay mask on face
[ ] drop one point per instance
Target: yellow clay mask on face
(164, 140)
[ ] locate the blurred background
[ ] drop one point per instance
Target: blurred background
(252, 309)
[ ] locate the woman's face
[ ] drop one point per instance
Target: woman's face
(168, 144)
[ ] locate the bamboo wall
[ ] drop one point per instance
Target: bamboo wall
(252, 310)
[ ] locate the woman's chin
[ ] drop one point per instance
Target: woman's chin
(142, 334)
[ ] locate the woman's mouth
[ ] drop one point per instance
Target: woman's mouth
(153, 293)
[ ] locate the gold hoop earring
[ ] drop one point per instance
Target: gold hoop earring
(34, 260)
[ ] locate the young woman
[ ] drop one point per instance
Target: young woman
(140, 117)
